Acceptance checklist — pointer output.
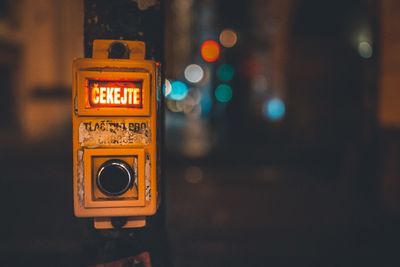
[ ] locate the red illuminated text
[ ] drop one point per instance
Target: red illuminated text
(114, 94)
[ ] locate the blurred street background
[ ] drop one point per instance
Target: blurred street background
(282, 133)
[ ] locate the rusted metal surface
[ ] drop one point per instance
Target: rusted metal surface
(81, 185)
(93, 133)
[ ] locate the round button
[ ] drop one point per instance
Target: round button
(115, 177)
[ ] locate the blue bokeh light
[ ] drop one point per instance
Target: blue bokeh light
(274, 109)
(179, 91)
(206, 101)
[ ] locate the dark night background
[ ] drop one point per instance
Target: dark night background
(293, 161)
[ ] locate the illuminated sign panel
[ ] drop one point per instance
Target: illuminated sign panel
(123, 94)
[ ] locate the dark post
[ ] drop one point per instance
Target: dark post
(141, 20)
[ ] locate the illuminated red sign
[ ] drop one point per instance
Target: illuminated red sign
(126, 94)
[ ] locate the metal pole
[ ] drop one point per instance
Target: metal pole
(141, 20)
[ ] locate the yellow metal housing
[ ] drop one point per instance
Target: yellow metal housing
(121, 133)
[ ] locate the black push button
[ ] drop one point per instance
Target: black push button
(115, 177)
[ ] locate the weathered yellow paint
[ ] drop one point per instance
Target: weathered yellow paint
(104, 133)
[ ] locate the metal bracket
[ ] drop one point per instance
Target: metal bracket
(132, 222)
(137, 49)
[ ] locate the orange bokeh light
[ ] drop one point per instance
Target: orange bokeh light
(228, 38)
(210, 51)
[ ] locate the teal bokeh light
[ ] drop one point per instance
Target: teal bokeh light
(225, 72)
(223, 93)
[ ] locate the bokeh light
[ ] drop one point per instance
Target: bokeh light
(189, 104)
(193, 174)
(206, 103)
(365, 50)
(223, 93)
(225, 72)
(179, 90)
(194, 73)
(167, 87)
(172, 106)
(274, 109)
(210, 51)
(259, 84)
(228, 38)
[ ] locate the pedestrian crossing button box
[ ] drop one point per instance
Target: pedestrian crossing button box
(116, 115)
